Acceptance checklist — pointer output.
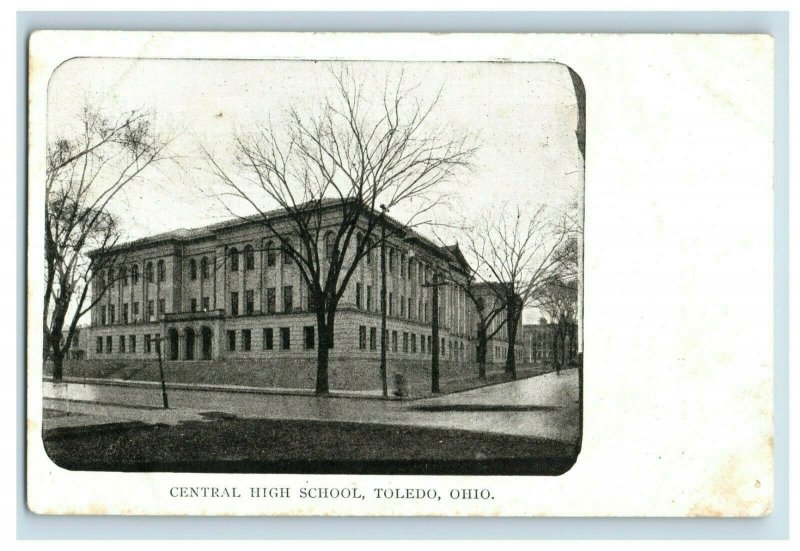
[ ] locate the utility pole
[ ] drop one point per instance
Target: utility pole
(435, 332)
(385, 209)
(161, 372)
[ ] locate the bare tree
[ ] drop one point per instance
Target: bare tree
(84, 172)
(348, 157)
(516, 251)
(559, 300)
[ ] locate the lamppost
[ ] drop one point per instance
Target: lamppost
(384, 383)
(161, 372)
(435, 284)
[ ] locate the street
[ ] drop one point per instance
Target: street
(508, 421)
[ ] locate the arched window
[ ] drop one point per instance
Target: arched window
(204, 267)
(234, 255)
(249, 258)
(369, 250)
(411, 268)
(162, 272)
(110, 276)
(101, 278)
(135, 274)
(148, 272)
(270, 254)
(192, 269)
(329, 240)
(123, 275)
(287, 258)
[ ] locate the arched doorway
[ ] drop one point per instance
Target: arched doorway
(189, 355)
(205, 337)
(173, 344)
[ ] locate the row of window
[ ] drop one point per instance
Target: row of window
(108, 314)
(447, 347)
(245, 339)
(107, 277)
(408, 309)
(125, 344)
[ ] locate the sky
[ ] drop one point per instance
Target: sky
(522, 115)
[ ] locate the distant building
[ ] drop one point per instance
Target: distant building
(542, 343)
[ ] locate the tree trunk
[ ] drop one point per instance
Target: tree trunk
(511, 325)
(481, 351)
(58, 364)
(324, 330)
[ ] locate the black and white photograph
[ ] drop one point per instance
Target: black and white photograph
(313, 266)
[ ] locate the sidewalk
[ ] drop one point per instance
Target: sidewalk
(545, 405)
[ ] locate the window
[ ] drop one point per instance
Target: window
(231, 340)
(135, 310)
(102, 315)
(405, 342)
(234, 303)
(358, 296)
(123, 275)
(413, 343)
(287, 257)
(249, 302)
(329, 240)
(110, 276)
(287, 299)
(426, 310)
(394, 341)
(101, 278)
(162, 271)
(135, 274)
(133, 344)
(266, 338)
(391, 304)
(147, 344)
(150, 311)
(249, 258)
(422, 343)
(402, 306)
(204, 267)
(270, 300)
(205, 304)
(270, 254)
(110, 313)
(122, 343)
(409, 307)
(125, 312)
(148, 272)
(285, 338)
(402, 266)
(246, 339)
(311, 303)
(99, 346)
(443, 349)
(391, 261)
(308, 336)
(234, 258)
(373, 338)
(369, 298)
(194, 305)
(419, 310)
(157, 340)
(410, 268)
(369, 251)
(430, 343)
(362, 337)
(192, 269)
(109, 344)
(162, 306)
